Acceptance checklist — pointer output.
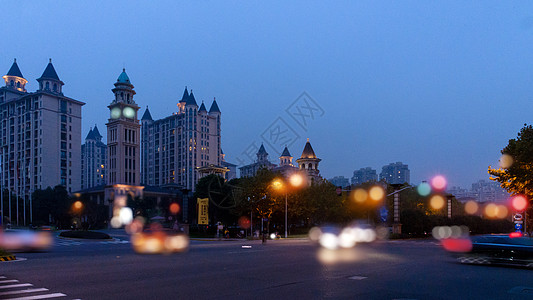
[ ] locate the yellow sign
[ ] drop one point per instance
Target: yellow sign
(203, 216)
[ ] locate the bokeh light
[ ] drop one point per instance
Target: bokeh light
(78, 205)
(315, 233)
(436, 202)
(296, 180)
(471, 207)
(506, 161)
(360, 195)
(491, 210)
(519, 202)
(438, 183)
(502, 212)
(376, 193)
(174, 208)
(244, 222)
(424, 189)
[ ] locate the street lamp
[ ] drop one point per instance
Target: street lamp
(295, 180)
(77, 208)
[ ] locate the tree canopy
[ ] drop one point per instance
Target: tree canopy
(515, 173)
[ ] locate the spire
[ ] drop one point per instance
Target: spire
(50, 72)
(123, 77)
(123, 89)
(262, 155)
(262, 150)
(185, 95)
(14, 70)
(147, 116)
(90, 134)
(202, 107)
(286, 152)
(96, 133)
(308, 151)
(191, 100)
(214, 107)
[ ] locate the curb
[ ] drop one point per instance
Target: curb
(7, 258)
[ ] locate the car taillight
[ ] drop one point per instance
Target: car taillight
(515, 234)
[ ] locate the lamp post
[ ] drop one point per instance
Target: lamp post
(295, 180)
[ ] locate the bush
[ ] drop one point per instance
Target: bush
(92, 235)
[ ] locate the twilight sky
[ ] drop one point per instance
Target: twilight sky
(439, 85)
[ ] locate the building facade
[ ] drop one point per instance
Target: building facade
(40, 134)
(176, 147)
(262, 162)
(395, 173)
(364, 175)
(93, 160)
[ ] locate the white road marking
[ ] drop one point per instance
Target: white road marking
(9, 281)
(15, 285)
(23, 291)
(47, 296)
(18, 259)
(2, 277)
(357, 277)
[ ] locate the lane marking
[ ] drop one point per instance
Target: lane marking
(48, 296)
(18, 259)
(24, 291)
(15, 285)
(357, 277)
(9, 281)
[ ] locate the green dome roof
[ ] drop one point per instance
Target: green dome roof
(124, 77)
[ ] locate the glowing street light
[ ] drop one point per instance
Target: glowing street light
(295, 180)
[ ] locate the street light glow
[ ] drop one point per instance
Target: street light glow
(296, 180)
(78, 205)
(376, 193)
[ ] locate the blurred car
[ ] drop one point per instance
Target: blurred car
(25, 240)
(499, 249)
(158, 240)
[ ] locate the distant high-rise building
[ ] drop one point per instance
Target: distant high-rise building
(182, 147)
(489, 191)
(364, 175)
(395, 173)
(93, 160)
(340, 181)
(40, 134)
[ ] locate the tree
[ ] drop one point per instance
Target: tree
(517, 177)
(516, 167)
(52, 206)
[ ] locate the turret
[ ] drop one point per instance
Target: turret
(49, 81)
(14, 78)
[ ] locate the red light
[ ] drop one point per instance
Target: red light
(515, 234)
(519, 202)
(457, 245)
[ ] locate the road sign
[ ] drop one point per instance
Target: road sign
(519, 222)
(518, 226)
(518, 217)
(383, 213)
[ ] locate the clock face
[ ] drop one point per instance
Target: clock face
(128, 112)
(115, 113)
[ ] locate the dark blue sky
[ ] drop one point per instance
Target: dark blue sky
(437, 85)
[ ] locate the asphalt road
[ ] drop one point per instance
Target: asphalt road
(282, 269)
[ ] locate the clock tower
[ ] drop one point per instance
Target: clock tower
(123, 135)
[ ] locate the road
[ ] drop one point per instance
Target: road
(282, 269)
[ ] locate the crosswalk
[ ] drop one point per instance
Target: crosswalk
(78, 243)
(12, 289)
